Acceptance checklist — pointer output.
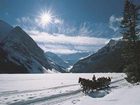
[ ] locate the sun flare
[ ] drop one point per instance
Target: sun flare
(45, 18)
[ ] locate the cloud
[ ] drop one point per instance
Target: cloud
(84, 29)
(62, 38)
(60, 43)
(24, 20)
(27, 23)
(56, 26)
(35, 23)
(114, 22)
(58, 21)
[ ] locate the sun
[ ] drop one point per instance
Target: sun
(45, 18)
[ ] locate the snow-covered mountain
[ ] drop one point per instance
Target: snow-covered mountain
(73, 58)
(8, 66)
(55, 58)
(21, 50)
(107, 59)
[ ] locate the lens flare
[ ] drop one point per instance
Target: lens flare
(45, 18)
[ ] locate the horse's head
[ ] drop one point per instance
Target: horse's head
(79, 79)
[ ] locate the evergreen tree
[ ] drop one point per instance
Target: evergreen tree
(130, 32)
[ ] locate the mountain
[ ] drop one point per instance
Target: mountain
(8, 66)
(107, 59)
(4, 29)
(56, 68)
(55, 58)
(22, 52)
(73, 58)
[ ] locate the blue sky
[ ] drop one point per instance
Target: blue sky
(70, 10)
(90, 21)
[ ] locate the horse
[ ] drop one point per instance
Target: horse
(90, 85)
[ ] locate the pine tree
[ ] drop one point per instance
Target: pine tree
(130, 32)
(125, 22)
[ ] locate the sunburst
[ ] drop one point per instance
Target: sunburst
(45, 18)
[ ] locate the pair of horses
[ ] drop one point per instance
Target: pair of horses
(94, 84)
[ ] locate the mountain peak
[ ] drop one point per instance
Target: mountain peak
(18, 27)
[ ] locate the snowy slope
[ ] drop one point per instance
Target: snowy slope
(21, 48)
(63, 89)
(107, 59)
(56, 59)
(73, 58)
(21, 51)
(55, 67)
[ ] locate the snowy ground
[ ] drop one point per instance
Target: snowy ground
(63, 89)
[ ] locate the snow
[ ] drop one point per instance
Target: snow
(63, 89)
(69, 68)
(56, 59)
(22, 49)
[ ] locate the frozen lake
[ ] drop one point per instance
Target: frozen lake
(63, 89)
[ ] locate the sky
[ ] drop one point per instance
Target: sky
(66, 26)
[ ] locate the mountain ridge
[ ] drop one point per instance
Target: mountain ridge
(55, 58)
(21, 50)
(107, 59)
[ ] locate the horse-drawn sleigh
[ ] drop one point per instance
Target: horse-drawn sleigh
(94, 84)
